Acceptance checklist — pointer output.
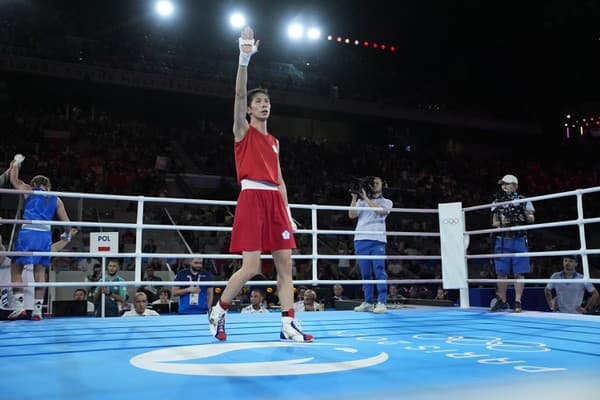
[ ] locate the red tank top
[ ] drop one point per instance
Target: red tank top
(257, 157)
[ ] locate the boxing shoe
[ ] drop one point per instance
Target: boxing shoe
(216, 322)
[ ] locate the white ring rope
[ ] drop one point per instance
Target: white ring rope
(315, 256)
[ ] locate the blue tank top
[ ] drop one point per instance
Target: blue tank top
(40, 207)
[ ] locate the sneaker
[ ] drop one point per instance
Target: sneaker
(216, 322)
(364, 307)
(291, 331)
(380, 308)
(517, 307)
(499, 305)
(17, 314)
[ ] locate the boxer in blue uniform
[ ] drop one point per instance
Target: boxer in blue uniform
(35, 237)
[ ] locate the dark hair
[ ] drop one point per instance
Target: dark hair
(80, 290)
(254, 92)
(165, 290)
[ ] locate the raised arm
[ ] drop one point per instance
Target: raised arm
(247, 48)
(14, 177)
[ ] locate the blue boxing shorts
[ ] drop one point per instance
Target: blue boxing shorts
(30, 240)
(518, 265)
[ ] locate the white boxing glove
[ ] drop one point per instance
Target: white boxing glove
(66, 236)
(19, 158)
(292, 223)
(245, 56)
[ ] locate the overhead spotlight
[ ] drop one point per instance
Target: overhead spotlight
(383, 47)
(366, 44)
(568, 116)
(347, 41)
(339, 39)
(164, 8)
(329, 37)
(237, 20)
(375, 45)
(313, 33)
(295, 31)
(393, 48)
(356, 42)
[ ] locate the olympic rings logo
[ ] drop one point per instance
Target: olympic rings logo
(489, 342)
(451, 221)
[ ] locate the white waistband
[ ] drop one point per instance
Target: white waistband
(32, 227)
(260, 185)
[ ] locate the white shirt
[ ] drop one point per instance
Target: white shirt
(300, 307)
(147, 313)
(569, 295)
(249, 309)
(371, 221)
(87, 265)
(158, 302)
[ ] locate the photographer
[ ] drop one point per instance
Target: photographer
(512, 241)
(373, 244)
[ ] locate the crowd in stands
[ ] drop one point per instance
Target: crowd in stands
(81, 154)
(107, 155)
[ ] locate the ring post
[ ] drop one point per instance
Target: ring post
(453, 250)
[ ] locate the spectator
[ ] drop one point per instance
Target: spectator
(81, 295)
(140, 307)
(569, 296)
(114, 296)
(441, 294)
(149, 247)
(394, 297)
(150, 290)
(164, 297)
(309, 302)
(257, 303)
(87, 264)
(338, 292)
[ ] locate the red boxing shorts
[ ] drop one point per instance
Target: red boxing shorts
(261, 222)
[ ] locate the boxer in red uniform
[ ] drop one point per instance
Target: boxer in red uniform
(263, 221)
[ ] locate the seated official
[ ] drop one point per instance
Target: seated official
(257, 303)
(569, 296)
(164, 297)
(140, 309)
(81, 295)
(309, 302)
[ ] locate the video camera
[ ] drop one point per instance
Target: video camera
(513, 212)
(357, 184)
